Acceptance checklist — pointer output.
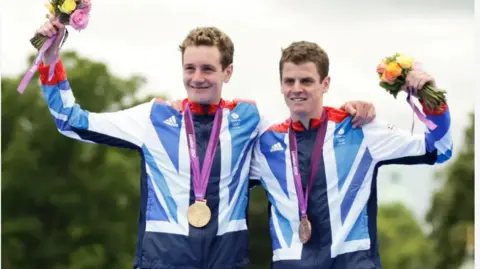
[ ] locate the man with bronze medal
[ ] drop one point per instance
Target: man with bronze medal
(320, 171)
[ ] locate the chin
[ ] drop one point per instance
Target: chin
(299, 110)
(201, 98)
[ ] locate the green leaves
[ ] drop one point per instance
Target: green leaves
(67, 204)
(393, 89)
(401, 240)
(452, 210)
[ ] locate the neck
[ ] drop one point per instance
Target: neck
(214, 101)
(305, 118)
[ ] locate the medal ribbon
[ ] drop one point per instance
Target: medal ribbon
(430, 125)
(200, 179)
(314, 163)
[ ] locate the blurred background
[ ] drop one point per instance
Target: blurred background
(72, 205)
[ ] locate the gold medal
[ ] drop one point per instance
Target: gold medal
(305, 230)
(199, 214)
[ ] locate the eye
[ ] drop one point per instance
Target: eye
(307, 81)
(289, 81)
(207, 68)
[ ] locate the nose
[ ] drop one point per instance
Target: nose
(197, 77)
(297, 87)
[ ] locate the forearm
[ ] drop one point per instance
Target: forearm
(123, 128)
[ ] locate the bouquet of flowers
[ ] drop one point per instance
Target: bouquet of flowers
(392, 72)
(68, 12)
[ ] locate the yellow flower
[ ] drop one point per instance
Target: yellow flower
(393, 70)
(68, 6)
(50, 8)
(404, 61)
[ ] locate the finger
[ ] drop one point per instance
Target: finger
(363, 115)
(409, 80)
(358, 116)
(58, 24)
(349, 109)
(49, 29)
(370, 115)
(424, 80)
(177, 105)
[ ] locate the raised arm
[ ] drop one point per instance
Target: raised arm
(124, 128)
(386, 143)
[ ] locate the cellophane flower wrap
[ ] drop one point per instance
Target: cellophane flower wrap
(392, 72)
(74, 13)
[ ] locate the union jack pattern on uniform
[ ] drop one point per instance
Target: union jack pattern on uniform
(157, 132)
(342, 206)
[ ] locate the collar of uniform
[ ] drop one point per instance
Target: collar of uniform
(203, 109)
(314, 123)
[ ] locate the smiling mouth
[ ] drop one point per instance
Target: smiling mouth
(298, 99)
(199, 87)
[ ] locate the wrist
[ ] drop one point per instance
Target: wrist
(58, 75)
(433, 112)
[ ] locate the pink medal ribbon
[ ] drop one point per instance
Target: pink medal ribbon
(420, 115)
(200, 178)
(28, 76)
(314, 163)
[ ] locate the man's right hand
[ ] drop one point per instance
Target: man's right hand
(50, 28)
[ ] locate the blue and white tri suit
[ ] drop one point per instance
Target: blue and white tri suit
(157, 132)
(342, 205)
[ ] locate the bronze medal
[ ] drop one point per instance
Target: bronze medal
(305, 230)
(199, 214)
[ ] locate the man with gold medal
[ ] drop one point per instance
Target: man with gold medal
(320, 172)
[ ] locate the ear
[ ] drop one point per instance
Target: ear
(228, 73)
(326, 84)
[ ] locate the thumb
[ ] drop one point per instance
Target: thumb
(350, 109)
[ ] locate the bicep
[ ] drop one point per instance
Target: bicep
(386, 142)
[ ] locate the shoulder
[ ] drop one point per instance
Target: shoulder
(232, 104)
(280, 127)
(336, 115)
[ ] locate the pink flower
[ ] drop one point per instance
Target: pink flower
(79, 19)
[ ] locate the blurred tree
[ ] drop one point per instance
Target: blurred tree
(67, 204)
(452, 211)
(260, 243)
(402, 242)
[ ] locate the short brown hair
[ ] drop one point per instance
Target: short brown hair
(211, 36)
(301, 52)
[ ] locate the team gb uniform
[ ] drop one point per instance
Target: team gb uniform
(342, 203)
(158, 132)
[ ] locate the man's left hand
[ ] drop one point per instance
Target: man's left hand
(362, 112)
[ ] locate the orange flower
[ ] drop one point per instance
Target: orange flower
(393, 70)
(381, 68)
(386, 78)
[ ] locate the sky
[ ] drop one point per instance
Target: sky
(142, 37)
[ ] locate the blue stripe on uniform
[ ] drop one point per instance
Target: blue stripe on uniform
(355, 185)
(239, 210)
(346, 145)
(443, 124)
(241, 128)
(276, 159)
(360, 228)
(155, 210)
(169, 135)
(161, 183)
